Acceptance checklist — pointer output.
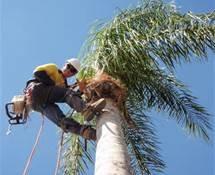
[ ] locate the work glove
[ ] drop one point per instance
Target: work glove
(88, 132)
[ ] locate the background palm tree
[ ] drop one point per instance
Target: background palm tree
(140, 47)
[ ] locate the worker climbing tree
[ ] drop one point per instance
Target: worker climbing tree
(48, 87)
(129, 73)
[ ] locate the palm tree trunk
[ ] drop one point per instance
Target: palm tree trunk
(111, 152)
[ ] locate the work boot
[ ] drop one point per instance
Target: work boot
(70, 125)
(88, 132)
(94, 109)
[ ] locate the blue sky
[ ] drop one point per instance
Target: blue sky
(37, 32)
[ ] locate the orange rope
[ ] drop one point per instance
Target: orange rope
(27, 165)
(59, 153)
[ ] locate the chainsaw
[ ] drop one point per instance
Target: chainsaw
(17, 110)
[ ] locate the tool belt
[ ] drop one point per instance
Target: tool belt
(36, 94)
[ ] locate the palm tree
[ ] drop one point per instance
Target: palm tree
(138, 50)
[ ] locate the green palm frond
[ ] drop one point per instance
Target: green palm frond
(76, 159)
(165, 93)
(141, 46)
(150, 34)
(143, 145)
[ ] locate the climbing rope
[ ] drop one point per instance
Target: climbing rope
(27, 165)
(60, 145)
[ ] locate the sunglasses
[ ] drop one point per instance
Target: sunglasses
(71, 68)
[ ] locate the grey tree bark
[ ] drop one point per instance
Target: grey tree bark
(111, 152)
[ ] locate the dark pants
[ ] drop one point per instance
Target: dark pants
(44, 99)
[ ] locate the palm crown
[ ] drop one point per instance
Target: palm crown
(140, 47)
